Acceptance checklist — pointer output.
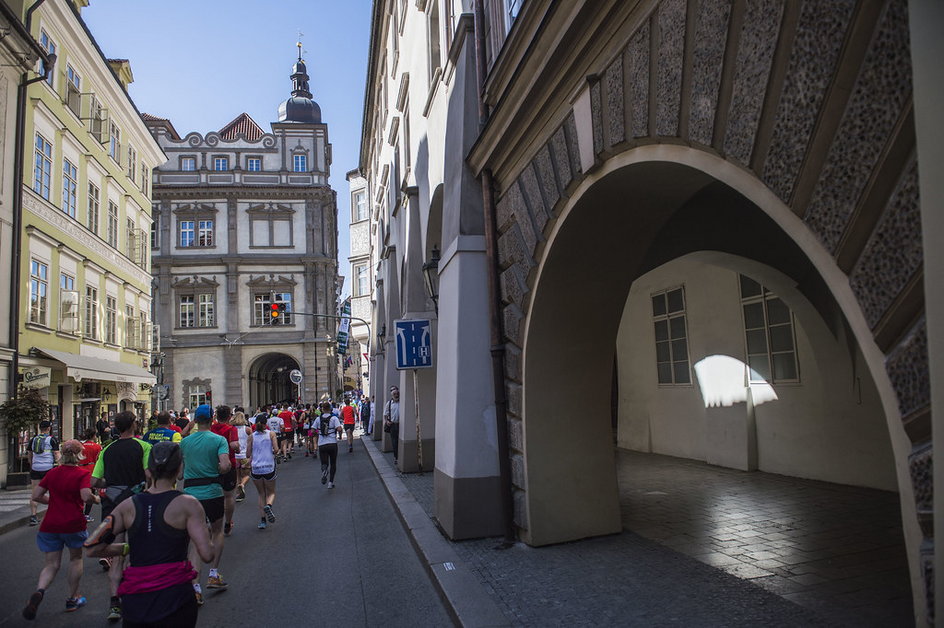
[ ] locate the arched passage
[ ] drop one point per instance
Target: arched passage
(634, 215)
(269, 380)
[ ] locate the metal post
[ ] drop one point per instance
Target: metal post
(419, 435)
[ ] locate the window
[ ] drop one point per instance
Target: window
(300, 163)
(91, 312)
(74, 91)
(111, 319)
(361, 285)
(130, 244)
(435, 54)
(207, 316)
(668, 315)
(66, 282)
(145, 178)
(42, 173)
(132, 162)
(262, 310)
(254, 164)
(114, 142)
(221, 163)
(205, 233)
(155, 231)
(39, 286)
(112, 231)
(187, 318)
(69, 187)
(186, 232)
(188, 164)
(93, 207)
(197, 396)
(770, 340)
(68, 304)
(360, 206)
(50, 47)
(131, 325)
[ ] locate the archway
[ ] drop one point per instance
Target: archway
(269, 380)
(639, 211)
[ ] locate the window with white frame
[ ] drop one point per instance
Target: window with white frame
(91, 312)
(111, 319)
(197, 396)
(206, 310)
(262, 308)
(300, 163)
(254, 164)
(39, 287)
(145, 178)
(74, 90)
(132, 162)
(66, 281)
(112, 231)
(94, 203)
(68, 304)
(114, 142)
(770, 341)
(668, 317)
(50, 47)
(187, 230)
(155, 231)
(131, 326)
(204, 233)
(70, 175)
(42, 171)
(361, 282)
(187, 309)
(130, 244)
(221, 163)
(188, 164)
(432, 28)
(359, 202)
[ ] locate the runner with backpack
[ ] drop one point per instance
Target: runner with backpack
(43, 456)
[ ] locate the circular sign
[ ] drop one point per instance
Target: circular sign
(295, 376)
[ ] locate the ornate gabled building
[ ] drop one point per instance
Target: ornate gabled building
(245, 219)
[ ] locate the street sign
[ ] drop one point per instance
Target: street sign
(295, 376)
(414, 344)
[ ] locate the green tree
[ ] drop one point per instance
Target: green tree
(24, 412)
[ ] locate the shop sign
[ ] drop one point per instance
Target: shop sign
(36, 376)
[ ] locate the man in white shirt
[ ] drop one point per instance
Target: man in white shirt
(392, 420)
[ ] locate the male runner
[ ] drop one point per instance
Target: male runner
(287, 437)
(162, 431)
(223, 427)
(349, 416)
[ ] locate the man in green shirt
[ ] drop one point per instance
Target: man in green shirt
(206, 457)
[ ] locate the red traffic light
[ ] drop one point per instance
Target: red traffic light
(276, 310)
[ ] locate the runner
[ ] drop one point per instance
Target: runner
(206, 458)
(43, 456)
(350, 416)
(120, 470)
(162, 431)
(301, 418)
(287, 437)
(262, 449)
(92, 450)
(329, 428)
(160, 523)
(64, 488)
(229, 480)
(243, 431)
(274, 423)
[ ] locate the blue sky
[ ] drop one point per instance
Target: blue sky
(201, 63)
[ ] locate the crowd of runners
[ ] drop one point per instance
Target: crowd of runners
(168, 491)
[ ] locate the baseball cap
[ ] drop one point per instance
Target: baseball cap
(203, 412)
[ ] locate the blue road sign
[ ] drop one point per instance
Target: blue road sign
(414, 344)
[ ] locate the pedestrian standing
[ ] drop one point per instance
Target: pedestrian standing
(262, 448)
(350, 416)
(92, 450)
(392, 421)
(243, 432)
(43, 456)
(329, 429)
(229, 480)
(65, 489)
(206, 458)
(120, 470)
(366, 415)
(160, 523)
(103, 428)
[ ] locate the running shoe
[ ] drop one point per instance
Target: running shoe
(330, 484)
(263, 525)
(240, 493)
(105, 563)
(114, 613)
(216, 582)
(269, 514)
(227, 528)
(350, 449)
(33, 605)
(324, 474)
(199, 597)
(75, 603)
(33, 520)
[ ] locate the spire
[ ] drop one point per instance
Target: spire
(300, 76)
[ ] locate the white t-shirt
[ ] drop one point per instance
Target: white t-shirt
(263, 460)
(275, 424)
(332, 436)
(243, 437)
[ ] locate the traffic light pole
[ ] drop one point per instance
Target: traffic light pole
(353, 318)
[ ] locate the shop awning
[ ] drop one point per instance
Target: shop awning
(80, 367)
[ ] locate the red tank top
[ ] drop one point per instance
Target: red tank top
(347, 412)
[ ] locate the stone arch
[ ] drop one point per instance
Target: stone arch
(268, 379)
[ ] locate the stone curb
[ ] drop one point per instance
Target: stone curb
(18, 518)
(465, 598)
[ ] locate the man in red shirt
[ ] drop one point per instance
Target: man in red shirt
(228, 480)
(64, 488)
(92, 450)
(349, 417)
(287, 436)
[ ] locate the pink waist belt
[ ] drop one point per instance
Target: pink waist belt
(155, 577)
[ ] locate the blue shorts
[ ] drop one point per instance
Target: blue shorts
(54, 541)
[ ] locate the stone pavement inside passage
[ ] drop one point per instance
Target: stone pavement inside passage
(707, 546)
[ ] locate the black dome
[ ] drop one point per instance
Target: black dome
(300, 109)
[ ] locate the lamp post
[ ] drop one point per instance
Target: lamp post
(431, 277)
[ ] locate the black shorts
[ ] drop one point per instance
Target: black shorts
(262, 476)
(38, 475)
(228, 480)
(284, 436)
(349, 427)
(213, 508)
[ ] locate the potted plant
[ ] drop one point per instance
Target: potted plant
(18, 415)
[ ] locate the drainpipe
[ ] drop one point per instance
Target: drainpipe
(494, 296)
(18, 155)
